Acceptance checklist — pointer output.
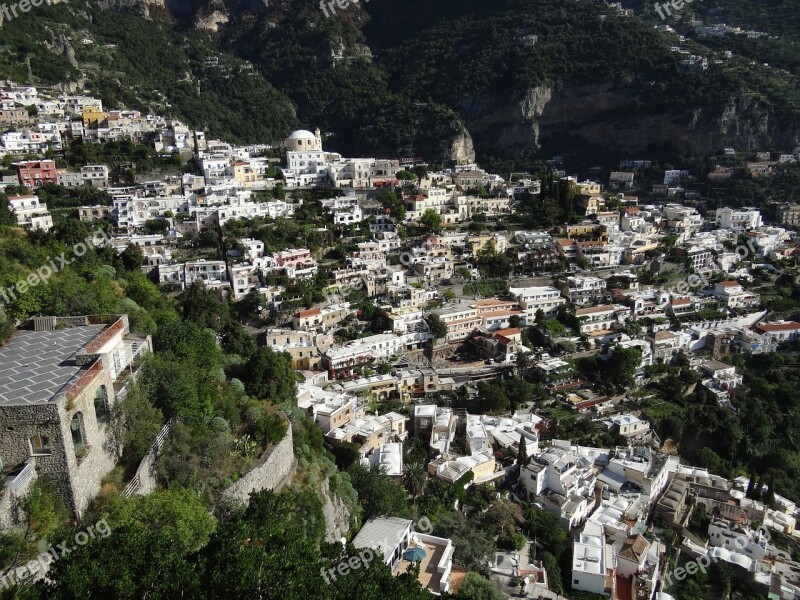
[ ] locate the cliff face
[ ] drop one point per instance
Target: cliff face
(337, 516)
(605, 116)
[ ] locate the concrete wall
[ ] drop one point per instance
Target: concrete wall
(276, 470)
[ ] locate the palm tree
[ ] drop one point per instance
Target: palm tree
(415, 479)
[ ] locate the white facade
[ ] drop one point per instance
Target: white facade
(30, 213)
(532, 299)
(738, 219)
(591, 562)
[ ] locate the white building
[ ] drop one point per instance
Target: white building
(738, 219)
(584, 290)
(592, 562)
(532, 299)
(30, 213)
(357, 352)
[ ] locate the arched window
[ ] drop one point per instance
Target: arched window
(101, 412)
(78, 435)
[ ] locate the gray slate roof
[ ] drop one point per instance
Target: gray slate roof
(36, 365)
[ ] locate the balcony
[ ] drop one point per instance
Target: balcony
(125, 356)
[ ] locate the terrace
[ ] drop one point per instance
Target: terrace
(435, 568)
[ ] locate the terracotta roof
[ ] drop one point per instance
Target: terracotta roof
(509, 331)
(730, 283)
(594, 309)
(495, 302)
(681, 302)
(634, 548)
(790, 326)
(308, 313)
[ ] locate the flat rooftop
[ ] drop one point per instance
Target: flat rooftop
(36, 365)
(383, 534)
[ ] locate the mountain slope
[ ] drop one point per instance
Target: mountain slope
(524, 79)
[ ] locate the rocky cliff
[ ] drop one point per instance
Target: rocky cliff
(607, 116)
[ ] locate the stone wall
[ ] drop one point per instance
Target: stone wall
(100, 455)
(275, 471)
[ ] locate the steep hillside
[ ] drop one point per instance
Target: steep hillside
(145, 64)
(521, 79)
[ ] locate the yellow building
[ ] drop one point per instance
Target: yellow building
(93, 116)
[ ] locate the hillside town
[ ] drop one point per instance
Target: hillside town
(543, 360)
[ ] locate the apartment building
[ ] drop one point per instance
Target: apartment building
(330, 410)
(298, 263)
(596, 319)
(733, 295)
(392, 537)
(782, 331)
(30, 213)
(244, 278)
(93, 214)
(343, 359)
(789, 214)
(582, 291)
(303, 347)
(496, 314)
(533, 299)
(738, 219)
(461, 320)
(36, 173)
(321, 318)
(593, 562)
(212, 273)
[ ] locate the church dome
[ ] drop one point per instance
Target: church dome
(302, 134)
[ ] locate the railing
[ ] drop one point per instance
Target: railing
(22, 479)
(124, 356)
(157, 443)
(136, 483)
(132, 486)
(84, 380)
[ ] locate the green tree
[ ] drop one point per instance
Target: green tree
(144, 555)
(268, 375)
(203, 306)
(431, 220)
(377, 493)
(522, 456)
(492, 397)
(135, 423)
(547, 530)
(478, 587)
(6, 216)
(493, 264)
(132, 257)
(620, 369)
(176, 388)
(473, 548)
(393, 204)
(437, 326)
(415, 478)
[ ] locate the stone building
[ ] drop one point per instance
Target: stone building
(59, 379)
